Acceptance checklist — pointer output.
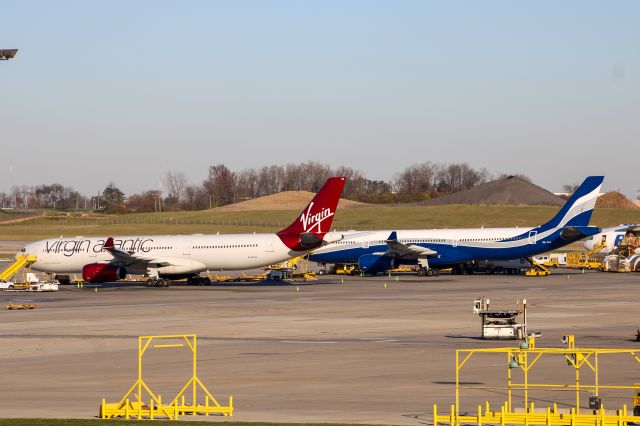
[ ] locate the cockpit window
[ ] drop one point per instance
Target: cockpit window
(24, 249)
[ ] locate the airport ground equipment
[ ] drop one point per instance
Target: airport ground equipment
(583, 260)
(341, 269)
(501, 324)
(509, 267)
(19, 306)
(630, 243)
(537, 270)
(19, 263)
(634, 263)
(519, 362)
(615, 263)
(186, 402)
(586, 259)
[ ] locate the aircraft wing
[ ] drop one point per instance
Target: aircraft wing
(407, 251)
(126, 258)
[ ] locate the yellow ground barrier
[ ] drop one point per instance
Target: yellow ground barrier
(523, 358)
(140, 402)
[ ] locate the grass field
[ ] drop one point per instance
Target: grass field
(361, 218)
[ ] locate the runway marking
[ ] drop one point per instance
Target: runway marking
(378, 340)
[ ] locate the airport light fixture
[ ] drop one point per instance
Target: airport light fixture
(6, 54)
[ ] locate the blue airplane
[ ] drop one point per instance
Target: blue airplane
(433, 249)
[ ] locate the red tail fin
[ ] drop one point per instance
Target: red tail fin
(307, 231)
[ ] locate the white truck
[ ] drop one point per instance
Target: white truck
(6, 285)
(32, 284)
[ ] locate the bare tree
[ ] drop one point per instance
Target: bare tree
(220, 185)
(417, 179)
(176, 183)
(456, 177)
(570, 188)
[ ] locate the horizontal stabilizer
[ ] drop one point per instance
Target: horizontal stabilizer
(310, 240)
(578, 232)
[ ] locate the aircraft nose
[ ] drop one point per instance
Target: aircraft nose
(28, 250)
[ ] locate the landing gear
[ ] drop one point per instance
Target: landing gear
(424, 270)
(198, 280)
(157, 282)
(428, 272)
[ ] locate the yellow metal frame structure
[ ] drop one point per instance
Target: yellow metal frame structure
(19, 263)
(524, 358)
(133, 404)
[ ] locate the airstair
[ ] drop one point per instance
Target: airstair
(19, 263)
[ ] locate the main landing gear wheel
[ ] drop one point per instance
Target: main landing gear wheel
(422, 272)
(199, 281)
(159, 282)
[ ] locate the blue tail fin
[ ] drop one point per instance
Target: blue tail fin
(577, 210)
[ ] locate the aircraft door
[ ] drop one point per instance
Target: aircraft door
(533, 237)
(187, 248)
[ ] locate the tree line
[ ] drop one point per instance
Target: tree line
(224, 186)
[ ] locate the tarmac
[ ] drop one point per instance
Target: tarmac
(366, 350)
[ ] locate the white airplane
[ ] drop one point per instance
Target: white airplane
(163, 258)
(378, 251)
(609, 239)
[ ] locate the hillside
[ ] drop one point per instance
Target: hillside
(287, 200)
(509, 191)
(614, 200)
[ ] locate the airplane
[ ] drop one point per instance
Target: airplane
(378, 251)
(171, 257)
(609, 239)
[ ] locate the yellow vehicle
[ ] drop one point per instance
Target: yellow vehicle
(636, 402)
(537, 270)
(583, 260)
(345, 269)
(547, 260)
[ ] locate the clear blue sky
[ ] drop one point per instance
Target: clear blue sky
(125, 91)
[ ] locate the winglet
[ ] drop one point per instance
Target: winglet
(393, 236)
(108, 245)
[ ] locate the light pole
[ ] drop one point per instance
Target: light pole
(6, 54)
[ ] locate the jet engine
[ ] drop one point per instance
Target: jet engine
(374, 263)
(102, 272)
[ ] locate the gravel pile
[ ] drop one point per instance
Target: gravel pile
(508, 191)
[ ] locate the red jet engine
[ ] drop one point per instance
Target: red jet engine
(102, 273)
